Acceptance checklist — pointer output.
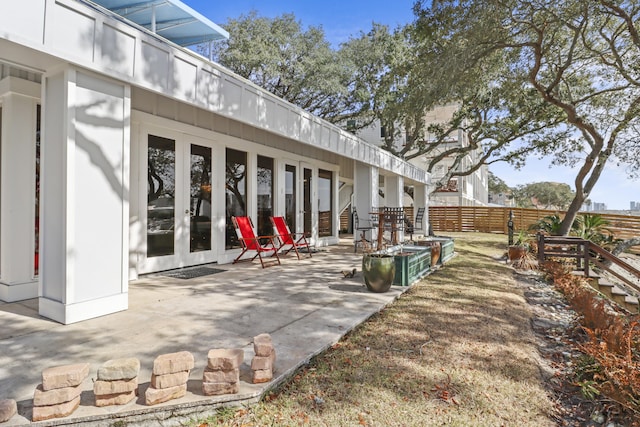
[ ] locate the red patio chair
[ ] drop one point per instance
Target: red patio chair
(288, 240)
(250, 242)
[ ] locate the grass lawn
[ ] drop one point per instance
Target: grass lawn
(455, 350)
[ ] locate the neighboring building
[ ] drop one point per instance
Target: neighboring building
(130, 154)
(470, 190)
(634, 206)
(597, 207)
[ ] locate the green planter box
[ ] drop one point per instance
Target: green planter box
(413, 265)
(447, 249)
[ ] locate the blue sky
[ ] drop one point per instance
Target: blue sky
(339, 19)
(342, 19)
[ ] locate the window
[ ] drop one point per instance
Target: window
(200, 199)
(235, 192)
(36, 255)
(325, 203)
(265, 195)
(290, 196)
(161, 180)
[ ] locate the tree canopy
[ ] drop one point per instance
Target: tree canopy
(300, 66)
(537, 77)
(295, 64)
(544, 195)
(497, 184)
(528, 77)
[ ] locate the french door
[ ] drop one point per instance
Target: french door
(175, 203)
(298, 206)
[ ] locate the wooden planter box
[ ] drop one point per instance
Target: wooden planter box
(412, 264)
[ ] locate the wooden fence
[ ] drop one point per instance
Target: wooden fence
(494, 220)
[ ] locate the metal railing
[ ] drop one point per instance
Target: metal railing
(586, 253)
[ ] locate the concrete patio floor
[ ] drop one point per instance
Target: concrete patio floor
(305, 305)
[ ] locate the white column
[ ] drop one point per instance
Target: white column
(393, 193)
(365, 190)
(421, 200)
(17, 192)
(84, 216)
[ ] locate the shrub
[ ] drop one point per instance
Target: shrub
(613, 341)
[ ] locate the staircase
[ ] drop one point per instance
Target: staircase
(613, 292)
(624, 292)
(345, 196)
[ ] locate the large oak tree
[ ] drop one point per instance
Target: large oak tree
(552, 78)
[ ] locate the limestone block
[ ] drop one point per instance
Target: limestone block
(41, 413)
(216, 389)
(116, 398)
(225, 359)
(169, 380)
(262, 345)
(263, 362)
(171, 363)
(55, 396)
(119, 369)
(101, 387)
(158, 395)
(64, 376)
(8, 408)
(262, 376)
(218, 376)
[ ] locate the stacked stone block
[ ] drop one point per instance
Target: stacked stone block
(169, 377)
(8, 408)
(222, 374)
(264, 359)
(59, 394)
(117, 382)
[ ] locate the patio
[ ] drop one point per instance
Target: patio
(305, 305)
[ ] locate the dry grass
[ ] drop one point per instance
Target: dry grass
(456, 350)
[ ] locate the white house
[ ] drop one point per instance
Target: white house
(124, 153)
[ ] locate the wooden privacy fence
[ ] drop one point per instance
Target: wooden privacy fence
(494, 220)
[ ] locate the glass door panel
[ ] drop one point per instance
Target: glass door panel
(290, 196)
(235, 192)
(325, 203)
(161, 176)
(200, 199)
(265, 195)
(307, 200)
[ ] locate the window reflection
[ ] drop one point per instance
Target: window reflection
(290, 196)
(200, 200)
(36, 255)
(160, 196)
(235, 192)
(265, 195)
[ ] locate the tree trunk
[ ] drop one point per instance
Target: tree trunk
(570, 216)
(625, 244)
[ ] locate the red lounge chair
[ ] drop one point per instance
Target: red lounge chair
(250, 242)
(288, 240)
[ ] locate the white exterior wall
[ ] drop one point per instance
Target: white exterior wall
(84, 196)
(17, 189)
(79, 34)
(90, 64)
(421, 199)
(365, 190)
